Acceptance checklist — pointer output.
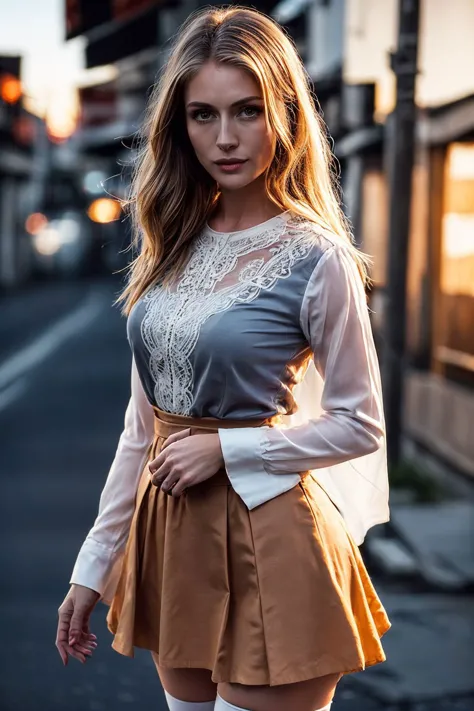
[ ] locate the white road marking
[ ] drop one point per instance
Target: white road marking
(33, 354)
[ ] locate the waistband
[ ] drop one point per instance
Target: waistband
(166, 423)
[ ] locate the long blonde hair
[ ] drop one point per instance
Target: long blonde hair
(172, 195)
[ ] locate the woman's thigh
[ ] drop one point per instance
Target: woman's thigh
(301, 696)
(187, 684)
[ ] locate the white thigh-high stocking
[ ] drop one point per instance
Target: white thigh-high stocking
(177, 705)
(222, 705)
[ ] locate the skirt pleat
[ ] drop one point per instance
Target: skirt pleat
(271, 596)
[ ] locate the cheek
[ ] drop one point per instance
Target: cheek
(199, 138)
(193, 137)
(264, 143)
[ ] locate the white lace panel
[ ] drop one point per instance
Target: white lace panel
(223, 269)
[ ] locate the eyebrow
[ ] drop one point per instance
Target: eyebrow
(236, 103)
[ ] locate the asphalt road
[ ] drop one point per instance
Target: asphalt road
(58, 438)
(64, 385)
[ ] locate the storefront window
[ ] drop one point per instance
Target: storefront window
(374, 225)
(456, 344)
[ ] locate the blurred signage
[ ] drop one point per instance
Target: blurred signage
(10, 64)
(84, 15)
(124, 9)
(98, 104)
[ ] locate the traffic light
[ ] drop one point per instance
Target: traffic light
(10, 95)
(10, 89)
(17, 125)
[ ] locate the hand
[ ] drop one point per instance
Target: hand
(185, 461)
(73, 636)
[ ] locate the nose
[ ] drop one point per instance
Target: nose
(226, 139)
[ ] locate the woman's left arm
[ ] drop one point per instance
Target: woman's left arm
(335, 320)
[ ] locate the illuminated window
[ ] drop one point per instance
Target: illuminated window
(374, 225)
(456, 346)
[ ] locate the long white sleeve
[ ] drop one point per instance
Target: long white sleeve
(98, 563)
(335, 320)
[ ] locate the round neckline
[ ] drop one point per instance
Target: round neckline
(248, 230)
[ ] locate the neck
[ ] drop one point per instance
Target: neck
(239, 209)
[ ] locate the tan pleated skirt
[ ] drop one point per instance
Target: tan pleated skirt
(272, 596)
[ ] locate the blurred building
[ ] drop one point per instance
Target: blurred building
(346, 49)
(18, 131)
(42, 228)
(345, 45)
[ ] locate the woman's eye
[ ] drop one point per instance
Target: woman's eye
(256, 109)
(253, 108)
(199, 113)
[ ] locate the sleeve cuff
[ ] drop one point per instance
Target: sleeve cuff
(96, 568)
(242, 452)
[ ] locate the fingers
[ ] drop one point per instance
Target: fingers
(179, 487)
(73, 638)
(175, 436)
(81, 650)
(86, 641)
(159, 474)
(159, 465)
(79, 622)
(168, 484)
(84, 648)
(62, 635)
(164, 470)
(161, 459)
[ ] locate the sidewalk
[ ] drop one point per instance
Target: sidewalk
(425, 560)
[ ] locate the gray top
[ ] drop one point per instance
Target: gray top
(226, 340)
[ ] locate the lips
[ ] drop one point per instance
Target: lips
(230, 168)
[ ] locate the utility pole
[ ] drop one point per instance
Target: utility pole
(401, 144)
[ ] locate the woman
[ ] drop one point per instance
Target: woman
(253, 457)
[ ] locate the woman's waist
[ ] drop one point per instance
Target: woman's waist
(167, 423)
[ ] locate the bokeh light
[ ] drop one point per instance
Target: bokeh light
(10, 89)
(104, 210)
(35, 222)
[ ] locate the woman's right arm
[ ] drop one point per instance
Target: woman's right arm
(98, 563)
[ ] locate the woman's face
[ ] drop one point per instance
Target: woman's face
(219, 129)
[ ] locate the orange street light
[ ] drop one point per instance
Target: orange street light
(10, 88)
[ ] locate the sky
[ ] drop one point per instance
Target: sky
(52, 68)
